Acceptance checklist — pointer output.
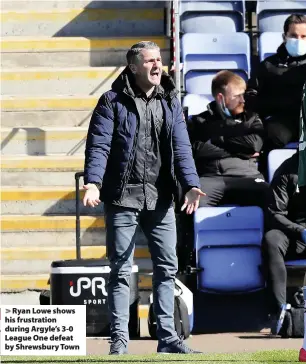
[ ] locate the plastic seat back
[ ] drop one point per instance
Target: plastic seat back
(268, 44)
(296, 263)
(196, 103)
(204, 55)
(199, 81)
(203, 16)
(271, 15)
(216, 51)
(275, 158)
(228, 249)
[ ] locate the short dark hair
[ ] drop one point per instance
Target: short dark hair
(294, 19)
(133, 53)
(222, 79)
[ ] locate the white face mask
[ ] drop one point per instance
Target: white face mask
(296, 47)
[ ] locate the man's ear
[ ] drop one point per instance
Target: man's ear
(133, 68)
(219, 98)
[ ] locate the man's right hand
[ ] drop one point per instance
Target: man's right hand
(92, 195)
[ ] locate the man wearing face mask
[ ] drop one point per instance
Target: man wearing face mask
(276, 91)
(226, 141)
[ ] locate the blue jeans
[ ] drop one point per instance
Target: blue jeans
(160, 229)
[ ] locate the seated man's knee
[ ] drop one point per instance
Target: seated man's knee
(214, 189)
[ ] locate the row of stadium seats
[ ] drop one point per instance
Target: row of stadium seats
(203, 55)
(228, 243)
(228, 239)
(213, 40)
(229, 16)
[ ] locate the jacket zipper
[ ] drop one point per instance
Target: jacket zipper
(171, 145)
(133, 152)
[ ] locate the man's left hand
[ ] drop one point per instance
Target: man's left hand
(192, 199)
(255, 155)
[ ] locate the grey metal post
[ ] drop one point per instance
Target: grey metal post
(168, 18)
(176, 46)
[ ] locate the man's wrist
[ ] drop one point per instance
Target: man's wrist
(189, 188)
(97, 184)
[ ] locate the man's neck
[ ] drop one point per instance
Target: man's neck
(148, 91)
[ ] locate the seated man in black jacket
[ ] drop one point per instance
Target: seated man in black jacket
(287, 238)
(276, 90)
(226, 141)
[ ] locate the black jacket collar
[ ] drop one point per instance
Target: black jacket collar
(215, 111)
(285, 58)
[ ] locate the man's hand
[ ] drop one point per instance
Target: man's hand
(92, 195)
(192, 199)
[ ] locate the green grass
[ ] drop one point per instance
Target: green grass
(275, 356)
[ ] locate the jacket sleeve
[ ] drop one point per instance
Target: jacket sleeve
(99, 139)
(260, 94)
(208, 150)
(250, 142)
(251, 94)
(184, 166)
(202, 145)
(280, 192)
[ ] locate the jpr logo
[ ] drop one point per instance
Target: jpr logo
(87, 283)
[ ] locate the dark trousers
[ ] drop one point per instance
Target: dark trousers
(277, 248)
(242, 191)
(159, 227)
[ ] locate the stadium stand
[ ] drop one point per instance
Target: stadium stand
(217, 253)
(53, 72)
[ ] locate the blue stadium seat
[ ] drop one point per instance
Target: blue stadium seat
(271, 15)
(275, 158)
(196, 103)
(268, 43)
(228, 249)
(300, 263)
(199, 81)
(208, 16)
(203, 55)
(293, 145)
